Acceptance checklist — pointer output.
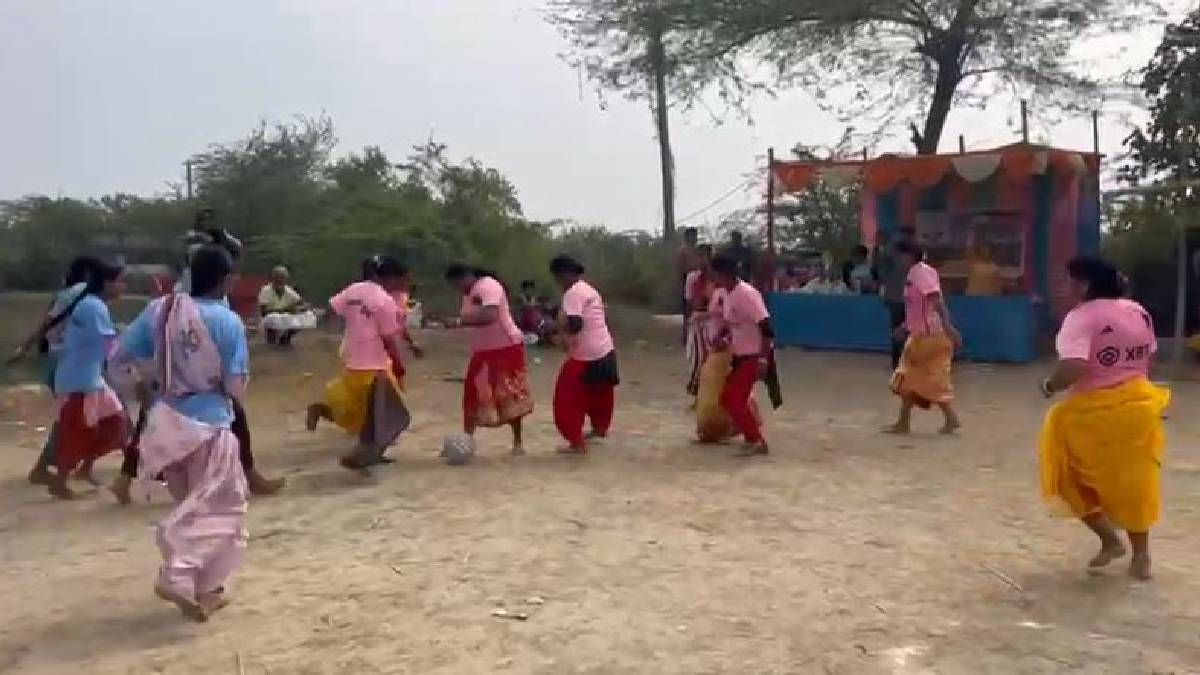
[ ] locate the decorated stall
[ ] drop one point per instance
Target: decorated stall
(999, 225)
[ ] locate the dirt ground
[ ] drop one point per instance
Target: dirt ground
(846, 551)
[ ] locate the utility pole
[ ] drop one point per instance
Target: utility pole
(188, 167)
(658, 66)
(1024, 121)
(1181, 256)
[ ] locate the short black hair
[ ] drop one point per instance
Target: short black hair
(459, 271)
(211, 264)
(382, 267)
(1102, 277)
(691, 232)
(390, 268)
(724, 264)
(565, 264)
(204, 217)
(705, 248)
(912, 248)
(862, 250)
(528, 283)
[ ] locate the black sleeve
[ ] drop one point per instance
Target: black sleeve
(847, 268)
(768, 331)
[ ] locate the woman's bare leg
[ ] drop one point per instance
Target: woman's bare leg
(953, 424)
(1111, 547)
(1139, 566)
(518, 447)
(903, 425)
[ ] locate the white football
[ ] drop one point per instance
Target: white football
(457, 449)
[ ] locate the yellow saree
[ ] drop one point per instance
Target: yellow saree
(1101, 451)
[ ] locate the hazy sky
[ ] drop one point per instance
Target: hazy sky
(112, 95)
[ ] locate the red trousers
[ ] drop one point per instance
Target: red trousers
(735, 398)
(575, 400)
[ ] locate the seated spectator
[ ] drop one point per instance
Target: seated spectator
(284, 312)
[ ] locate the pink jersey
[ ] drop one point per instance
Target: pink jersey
(744, 311)
(501, 333)
(594, 341)
(920, 317)
(370, 316)
(1115, 337)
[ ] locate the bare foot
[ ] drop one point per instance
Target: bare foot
(518, 450)
(1107, 554)
(313, 417)
(594, 435)
(1139, 567)
(950, 428)
(262, 486)
(120, 489)
(40, 475)
(211, 603)
(190, 608)
(753, 450)
(573, 450)
(58, 488)
(353, 463)
(897, 429)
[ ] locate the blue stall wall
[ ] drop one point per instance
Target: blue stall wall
(995, 328)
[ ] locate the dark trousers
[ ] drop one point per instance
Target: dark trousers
(240, 428)
(896, 317)
(280, 338)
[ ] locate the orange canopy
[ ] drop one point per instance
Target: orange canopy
(884, 173)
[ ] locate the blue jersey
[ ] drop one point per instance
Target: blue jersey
(227, 332)
(86, 339)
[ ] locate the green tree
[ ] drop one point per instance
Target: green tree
(272, 180)
(1167, 146)
(626, 46)
(891, 60)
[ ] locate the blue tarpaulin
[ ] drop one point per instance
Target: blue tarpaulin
(994, 328)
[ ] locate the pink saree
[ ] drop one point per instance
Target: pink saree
(204, 536)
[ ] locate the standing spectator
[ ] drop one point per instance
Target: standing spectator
(688, 258)
(742, 254)
(858, 274)
(892, 271)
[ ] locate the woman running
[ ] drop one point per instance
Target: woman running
(588, 378)
(199, 349)
(711, 366)
(923, 377)
(365, 399)
(91, 420)
(205, 235)
(746, 332)
(698, 289)
(495, 391)
(48, 339)
(1102, 447)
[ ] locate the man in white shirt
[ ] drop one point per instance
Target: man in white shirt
(278, 302)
